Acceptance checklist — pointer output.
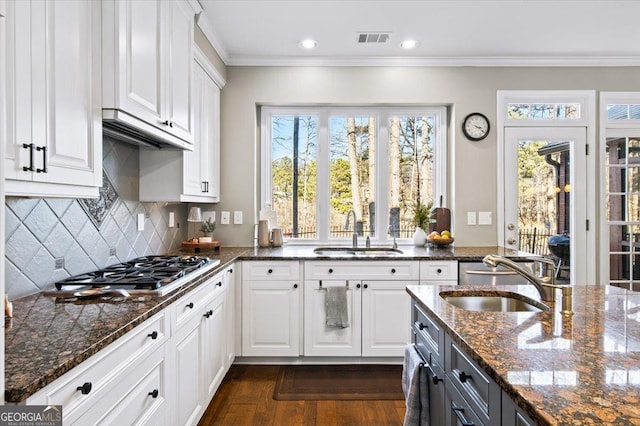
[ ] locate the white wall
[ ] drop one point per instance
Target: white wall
(466, 89)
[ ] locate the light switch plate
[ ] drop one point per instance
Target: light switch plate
(224, 218)
(172, 219)
(237, 217)
(484, 218)
(140, 222)
(471, 218)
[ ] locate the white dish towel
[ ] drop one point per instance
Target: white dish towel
(336, 307)
(415, 388)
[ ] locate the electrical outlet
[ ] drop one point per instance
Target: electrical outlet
(172, 219)
(140, 222)
(112, 251)
(224, 218)
(484, 218)
(471, 218)
(59, 263)
(237, 218)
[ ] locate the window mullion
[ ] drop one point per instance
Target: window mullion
(323, 209)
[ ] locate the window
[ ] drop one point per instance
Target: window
(325, 168)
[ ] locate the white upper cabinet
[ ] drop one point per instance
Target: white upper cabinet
(54, 132)
(147, 68)
(190, 176)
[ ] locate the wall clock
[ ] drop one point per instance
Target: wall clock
(475, 126)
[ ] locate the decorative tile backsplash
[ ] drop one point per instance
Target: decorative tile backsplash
(40, 231)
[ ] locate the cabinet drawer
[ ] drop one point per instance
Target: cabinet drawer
(190, 304)
(459, 412)
(429, 335)
(284, 270)
(439, 271)
(96, 373)
(472, 383)
(384, 270)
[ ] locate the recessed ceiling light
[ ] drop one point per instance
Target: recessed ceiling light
(408, 44)
(308, 44)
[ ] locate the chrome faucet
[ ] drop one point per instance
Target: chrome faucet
(546, 285)
(354, 236)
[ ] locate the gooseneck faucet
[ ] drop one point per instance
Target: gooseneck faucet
(546, 285)
(354, 236)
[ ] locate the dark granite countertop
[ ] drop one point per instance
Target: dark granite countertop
(579, 369)
(46, 339)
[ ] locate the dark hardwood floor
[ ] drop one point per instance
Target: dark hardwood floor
(245, 398)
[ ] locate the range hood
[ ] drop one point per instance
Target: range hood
(124, 127)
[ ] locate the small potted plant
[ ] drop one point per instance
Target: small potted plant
(421, 220)
(208, 226)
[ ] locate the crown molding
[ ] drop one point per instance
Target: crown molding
(488, 61)
(207, 28)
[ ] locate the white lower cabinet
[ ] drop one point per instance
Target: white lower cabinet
(379, 308)
(163, 372)
(271, 308)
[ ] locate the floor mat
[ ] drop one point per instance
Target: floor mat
(339, 382)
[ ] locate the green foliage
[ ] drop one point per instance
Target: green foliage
(422, 214)
(208, 226)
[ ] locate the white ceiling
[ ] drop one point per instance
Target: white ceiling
(449, 32)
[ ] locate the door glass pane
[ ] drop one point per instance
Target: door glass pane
(411, 165)
(544, 201)
(352, 175)
(294, 152)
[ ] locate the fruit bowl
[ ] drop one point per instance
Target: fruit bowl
(440, 242)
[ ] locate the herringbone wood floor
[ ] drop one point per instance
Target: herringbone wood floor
(245, 398)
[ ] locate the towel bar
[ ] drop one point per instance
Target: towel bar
(323, 288)
(424, 364)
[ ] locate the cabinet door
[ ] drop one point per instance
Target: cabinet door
(54, 92)
(141, 58)
(188, 379)
(195, 161)
(214, 341)
(179, 107)
(321, 340)
(386, 318)
(210, 138)
(271, 318)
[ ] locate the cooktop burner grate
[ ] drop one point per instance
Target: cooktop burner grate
(147, 272)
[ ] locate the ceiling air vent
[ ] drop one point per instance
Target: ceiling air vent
(373, 37)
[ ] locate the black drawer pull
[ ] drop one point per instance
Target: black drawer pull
(357, 285)
(270, 271)
(463, 376)
(231, 271)
(439, 271)
(28, 146)
(435, 379)
(219, 284)
(459, 412)
(421, 326)
(85, 388)
(190, 305)
(330, 271)
(393, 270)
(154, 393)
(153, 335)
(44, 159)
(295, 286)
(208, 314)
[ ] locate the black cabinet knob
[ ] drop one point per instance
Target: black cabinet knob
(330, 270)
(208, 313)
(421, 326)
(357, 285)
(154, 393)
(219, 284)
(165, 122)
(153, 335)
(435, 379)
(190, 305)
(439, 270)
(231, 271)
(85, 388)
(270, 271)
(295, 286)
(463, 376)
(365, 285)
(393, 270)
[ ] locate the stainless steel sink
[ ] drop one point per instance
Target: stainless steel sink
(359, 251)
(493, 303)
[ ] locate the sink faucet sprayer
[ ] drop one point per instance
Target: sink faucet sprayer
(546, 285)
(354, 237)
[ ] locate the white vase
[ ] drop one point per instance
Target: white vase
(419, 237)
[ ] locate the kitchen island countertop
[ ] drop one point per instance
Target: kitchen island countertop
(579, 369)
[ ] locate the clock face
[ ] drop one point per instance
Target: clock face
(475, 126)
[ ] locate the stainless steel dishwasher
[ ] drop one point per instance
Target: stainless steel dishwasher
(477, 273)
